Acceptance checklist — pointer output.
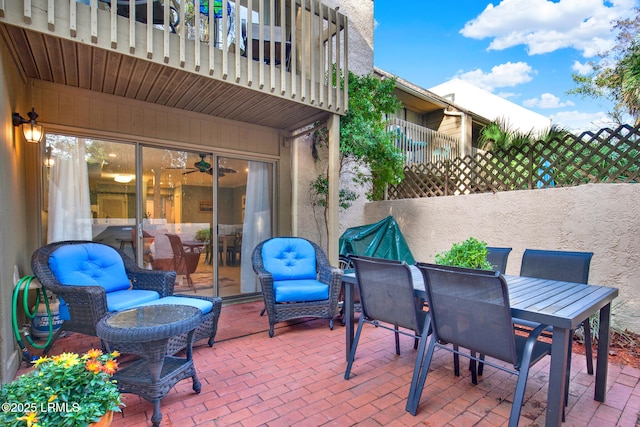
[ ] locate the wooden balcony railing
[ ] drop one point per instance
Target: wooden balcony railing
(421, 145)
(286, 48)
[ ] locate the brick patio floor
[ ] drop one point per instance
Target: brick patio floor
(296, 378)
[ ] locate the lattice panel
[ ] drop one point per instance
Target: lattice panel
(603, 157)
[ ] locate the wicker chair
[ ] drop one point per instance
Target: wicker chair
(84, 304)
(296, 279)
(184, 262)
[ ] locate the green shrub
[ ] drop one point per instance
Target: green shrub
(471, 253)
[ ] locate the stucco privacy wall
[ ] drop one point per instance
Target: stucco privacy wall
(600, 218)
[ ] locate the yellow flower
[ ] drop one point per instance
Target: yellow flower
(53, 397)
(115, 353)
(67, 359)
(93, 354)
(31, 418)
(40, 361)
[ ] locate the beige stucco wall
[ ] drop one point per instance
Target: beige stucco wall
(15, 236)
(600, 218)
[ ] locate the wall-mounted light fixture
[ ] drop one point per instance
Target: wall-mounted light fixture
(31, 130)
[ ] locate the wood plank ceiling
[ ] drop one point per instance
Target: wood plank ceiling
(48, 58)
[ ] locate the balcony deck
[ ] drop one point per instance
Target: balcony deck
(220, 66)
(296, 378)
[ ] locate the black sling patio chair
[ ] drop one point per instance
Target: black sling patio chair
(561, 265)
(388, 301)
(470, 309)
(567, 266)
(498, 258)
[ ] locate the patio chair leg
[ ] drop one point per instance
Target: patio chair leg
(586, 326)
(456, 362)
(473, 369)
(395, 328)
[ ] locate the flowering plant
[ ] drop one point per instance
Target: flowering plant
(63, 390)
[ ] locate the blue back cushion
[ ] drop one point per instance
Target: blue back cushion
(89, 264)
(289, 258)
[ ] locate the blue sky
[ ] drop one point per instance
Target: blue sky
(523, 50)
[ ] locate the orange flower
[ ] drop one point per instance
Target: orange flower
(93, 354)
(110, 367)
(93, 365)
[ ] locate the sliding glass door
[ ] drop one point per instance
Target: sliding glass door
(177, 216)
(192, 212)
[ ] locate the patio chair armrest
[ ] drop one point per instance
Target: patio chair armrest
(333, 277)
(328, 274)
(86, 305)
(161, 281)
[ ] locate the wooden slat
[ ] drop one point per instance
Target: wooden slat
(294, 50)
(114, 24)
(70, 61)
(38, 49)
(132, 27)
(73, 19)
(149, 31)
(54, 50)
(112, 71)
(98, 69)
(224, 46)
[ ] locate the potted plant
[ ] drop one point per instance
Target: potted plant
(63, 390)
(203, 235)
(471, 253)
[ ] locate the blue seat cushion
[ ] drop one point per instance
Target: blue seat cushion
(121, 300)
(289, 258)
(300, 290)
(203, 305)
(89, 264)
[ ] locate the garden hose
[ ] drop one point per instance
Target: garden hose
(40, 293)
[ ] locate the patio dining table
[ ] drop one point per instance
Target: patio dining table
(563, 305)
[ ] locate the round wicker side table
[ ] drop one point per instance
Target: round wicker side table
(145, 331)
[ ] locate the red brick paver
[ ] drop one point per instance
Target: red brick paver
(296, 378)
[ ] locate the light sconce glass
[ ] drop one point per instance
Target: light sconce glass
(32, 131)
(124, 179)
(48, 159)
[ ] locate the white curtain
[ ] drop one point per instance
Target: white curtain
(257, 221)
(69, 204)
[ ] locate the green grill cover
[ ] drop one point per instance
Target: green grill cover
(380, 240)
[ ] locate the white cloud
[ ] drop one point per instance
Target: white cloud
(545, 26)
(578, 122)
(547, 100)
(508, 95)
(582, 69)
(504, 75)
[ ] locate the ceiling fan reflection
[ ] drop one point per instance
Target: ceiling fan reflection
(205, 167)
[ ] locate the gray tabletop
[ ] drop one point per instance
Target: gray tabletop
(148, 323)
